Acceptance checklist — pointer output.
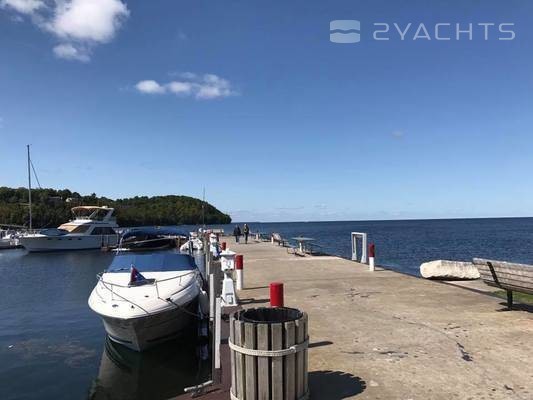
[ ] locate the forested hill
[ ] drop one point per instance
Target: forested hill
(50, 208)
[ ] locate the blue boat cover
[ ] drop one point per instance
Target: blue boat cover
(156, 261)
(153, 232)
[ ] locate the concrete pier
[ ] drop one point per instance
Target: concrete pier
(385, 335)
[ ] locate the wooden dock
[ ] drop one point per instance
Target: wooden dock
(385, 335)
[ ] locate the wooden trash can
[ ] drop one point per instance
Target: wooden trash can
(269, 354)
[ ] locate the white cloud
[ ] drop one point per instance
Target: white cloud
(206, 87)
(23, 6)
(69, 52)
(80, 25)
(177, 87)
(150, 86)
(88, 20)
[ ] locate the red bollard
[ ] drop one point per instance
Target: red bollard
(223, 246)
(371, 256)
(371, 250)
(276, 294)
(239, 261)
(239, 264)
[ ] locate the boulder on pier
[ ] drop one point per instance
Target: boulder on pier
(449, 270)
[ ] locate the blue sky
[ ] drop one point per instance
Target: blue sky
(251, 100)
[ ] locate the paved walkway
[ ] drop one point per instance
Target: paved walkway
(384, 335)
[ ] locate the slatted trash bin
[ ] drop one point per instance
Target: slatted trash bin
(269, 354)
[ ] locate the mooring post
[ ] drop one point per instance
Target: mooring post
(371, 256)
(239, 264)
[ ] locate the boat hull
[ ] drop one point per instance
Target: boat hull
(142, 333)
(66, 242)
(9, 243)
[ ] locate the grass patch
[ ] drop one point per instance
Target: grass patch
(517, 297)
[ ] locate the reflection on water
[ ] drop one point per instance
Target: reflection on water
(51, 342)
(159, 373)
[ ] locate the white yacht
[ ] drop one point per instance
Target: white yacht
(147, 298)
(91, 228)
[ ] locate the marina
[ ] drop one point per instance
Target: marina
(266, 201)
(371, 332)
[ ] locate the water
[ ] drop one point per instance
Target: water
(404, 245)
(52, 346)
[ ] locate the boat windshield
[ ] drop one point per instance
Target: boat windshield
(159, 261)
(73, 228)
(53, 232)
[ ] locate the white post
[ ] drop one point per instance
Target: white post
(212, 294)
(240, 279)
(354, 246)
(218, 313)
(364, 258)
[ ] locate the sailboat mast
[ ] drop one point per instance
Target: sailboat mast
(29, 184)
(203, 209)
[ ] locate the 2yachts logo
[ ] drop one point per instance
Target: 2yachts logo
(344, 31)
(349, 31)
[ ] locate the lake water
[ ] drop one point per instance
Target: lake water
(404, 245)
(52, 346)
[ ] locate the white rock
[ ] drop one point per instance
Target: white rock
(442, 269)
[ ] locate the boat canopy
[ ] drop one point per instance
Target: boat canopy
(92, 212)
(147, 233)
(159, 261)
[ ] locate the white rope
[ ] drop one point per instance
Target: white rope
(269, 353)
(304, 397)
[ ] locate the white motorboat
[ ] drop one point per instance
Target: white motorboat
(91, 228)
(147, 298)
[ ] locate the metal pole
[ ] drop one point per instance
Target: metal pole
(29, 185)
(212, 296)
(218, 313)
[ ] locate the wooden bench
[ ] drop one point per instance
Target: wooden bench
(511, 277)
(276, 237)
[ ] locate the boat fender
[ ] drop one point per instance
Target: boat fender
(203, 300)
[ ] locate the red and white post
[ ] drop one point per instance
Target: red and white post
(239, 264)
(371, 256)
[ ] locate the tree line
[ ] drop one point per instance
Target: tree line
(51, 208)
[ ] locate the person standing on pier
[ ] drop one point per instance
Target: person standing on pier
(246, 231)
(237, 233)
